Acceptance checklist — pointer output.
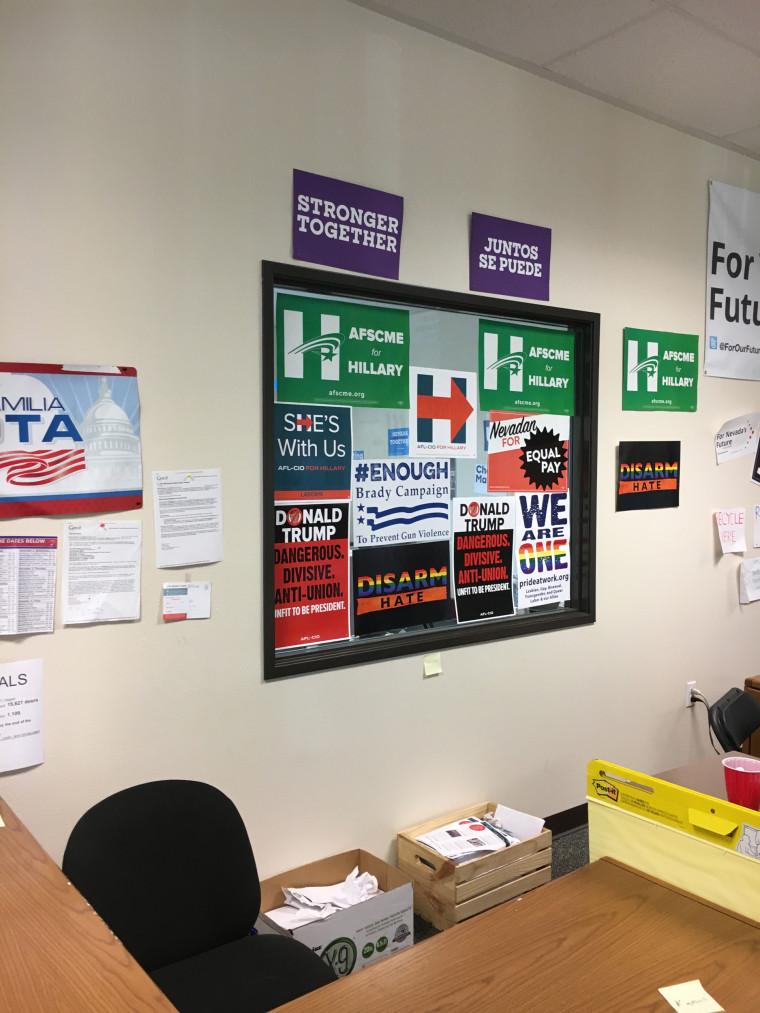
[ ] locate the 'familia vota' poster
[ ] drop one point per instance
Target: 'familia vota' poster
(397, 586)
(69, 439)
(310, 573)
(648, 474)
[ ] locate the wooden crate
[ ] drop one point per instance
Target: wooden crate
(447, 892)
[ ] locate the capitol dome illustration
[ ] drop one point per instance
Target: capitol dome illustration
(112, 448)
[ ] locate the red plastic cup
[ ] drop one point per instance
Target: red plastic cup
(742, 775)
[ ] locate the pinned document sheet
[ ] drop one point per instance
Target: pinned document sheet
(101, 571)
(20, 715)
(187, 601)
(187, 512)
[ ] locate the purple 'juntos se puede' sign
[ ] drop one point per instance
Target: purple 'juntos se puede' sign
(509, 258)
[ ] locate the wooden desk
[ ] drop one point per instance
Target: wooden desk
(56, 955)
(705, 776)
(600, 940)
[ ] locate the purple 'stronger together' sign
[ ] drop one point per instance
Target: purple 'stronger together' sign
(346, 225)
(509, 258)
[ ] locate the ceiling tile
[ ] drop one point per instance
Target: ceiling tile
(672, 68)
(524, 31)
(739, 19)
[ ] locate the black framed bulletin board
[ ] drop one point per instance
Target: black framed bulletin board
(429, 469)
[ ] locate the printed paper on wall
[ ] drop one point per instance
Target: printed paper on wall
(738, 437)
(21, 715)
(749, 580)
(27, 584)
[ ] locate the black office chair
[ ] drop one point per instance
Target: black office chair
(169, 867)
(734, 718)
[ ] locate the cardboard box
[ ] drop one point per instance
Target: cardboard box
(696, 842)
(357, 936)
(447, 892)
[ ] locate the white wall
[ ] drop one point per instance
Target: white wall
(146, 159)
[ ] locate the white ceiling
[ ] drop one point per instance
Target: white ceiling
(691, 64)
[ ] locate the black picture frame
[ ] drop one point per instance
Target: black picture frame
(582, 479)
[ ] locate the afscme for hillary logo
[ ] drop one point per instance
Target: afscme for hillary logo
(511, 363)
(645, 369)
(331, 352)
(659, 370)
(526, 368)
(326, 345)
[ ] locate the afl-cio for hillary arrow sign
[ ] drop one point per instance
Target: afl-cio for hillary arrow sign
(442, 419)
(456, 408)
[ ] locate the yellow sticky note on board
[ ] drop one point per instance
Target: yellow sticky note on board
(431, 664)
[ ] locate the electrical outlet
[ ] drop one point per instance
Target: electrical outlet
(689, 687)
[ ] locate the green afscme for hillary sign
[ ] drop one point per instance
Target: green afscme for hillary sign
(332, 352)
(526, 369)
(659, 371)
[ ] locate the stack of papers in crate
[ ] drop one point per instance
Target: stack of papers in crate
(477, 835)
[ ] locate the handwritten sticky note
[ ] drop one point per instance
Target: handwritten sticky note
(690, 995)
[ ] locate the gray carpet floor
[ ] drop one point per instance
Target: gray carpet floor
(569, 851)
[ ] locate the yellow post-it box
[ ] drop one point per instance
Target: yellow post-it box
(699, 843)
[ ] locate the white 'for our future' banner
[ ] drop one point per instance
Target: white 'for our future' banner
(732, 311)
